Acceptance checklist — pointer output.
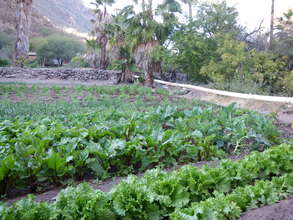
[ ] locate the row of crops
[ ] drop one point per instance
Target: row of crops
(58, 136)
(109, 143)
(223, 192)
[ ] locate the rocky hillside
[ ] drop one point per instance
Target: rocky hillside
(48, 14)
(65, 13)
(48, 17)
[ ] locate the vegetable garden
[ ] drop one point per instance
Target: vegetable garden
(60, 136)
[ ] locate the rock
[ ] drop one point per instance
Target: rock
(82, 74)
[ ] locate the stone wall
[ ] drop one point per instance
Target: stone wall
(85, 74)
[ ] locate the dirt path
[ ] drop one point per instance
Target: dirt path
(59, 82)
(280, 211)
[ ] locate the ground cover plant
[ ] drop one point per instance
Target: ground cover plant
(103, 135)
(223, 192)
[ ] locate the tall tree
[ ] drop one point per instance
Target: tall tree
(283, 43)
(121, 43)
(219, 17)
(102, 19)
(148, 34)
(23, 22)
(272, 23)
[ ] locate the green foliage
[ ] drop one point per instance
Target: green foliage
(221, 192)
(27, 209)
(230, 61)
(284, 35)
(4, 62)
(78, 61)
(22, 61)
(268, 70)
(260, 72)
(195, 44)
(132, 199)
(213, 50)
(219, 18)
(82, 202)
(287, 83)
(192, 51)
(6, 46)
(57, 47)
(104, 140)
(231, 206)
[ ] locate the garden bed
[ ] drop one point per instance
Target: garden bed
(55, 136)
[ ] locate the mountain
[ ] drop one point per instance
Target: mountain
(48, 17)
(65, 13)
(49, 14)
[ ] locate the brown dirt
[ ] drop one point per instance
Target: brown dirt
(58, 82)
(280, 211)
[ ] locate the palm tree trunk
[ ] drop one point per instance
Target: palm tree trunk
(149, 75)
(272, 24)
(126, 76)
(150, 9)
(143, 5)
(23, 16)
(149, 79)
(190, 10)
(103, 60)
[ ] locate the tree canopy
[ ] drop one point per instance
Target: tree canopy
(56, 47)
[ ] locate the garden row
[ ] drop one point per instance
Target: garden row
(223, 192)
(113, 142)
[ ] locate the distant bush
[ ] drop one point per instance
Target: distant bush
(288, 84)
(34, 64)
(56, 49)
(4, 62)
(6, 45)
(79, 61)
(242, 85)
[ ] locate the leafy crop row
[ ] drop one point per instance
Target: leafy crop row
(101, 144)
(35, 101)
(160, 194)
(231, 206)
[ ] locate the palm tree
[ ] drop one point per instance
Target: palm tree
(102, 19)
(92, 51)
(148, 34)
(23, 22)
(122, 43)
(272, 23)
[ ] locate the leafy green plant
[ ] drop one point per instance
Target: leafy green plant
(242, 199)
(26, 209)
(4, 62)
(221, 192)
(82, 202)
(106, 143)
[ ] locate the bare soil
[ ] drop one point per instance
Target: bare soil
(280, 211)
(58, 82)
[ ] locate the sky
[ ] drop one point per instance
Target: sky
(251, 12)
